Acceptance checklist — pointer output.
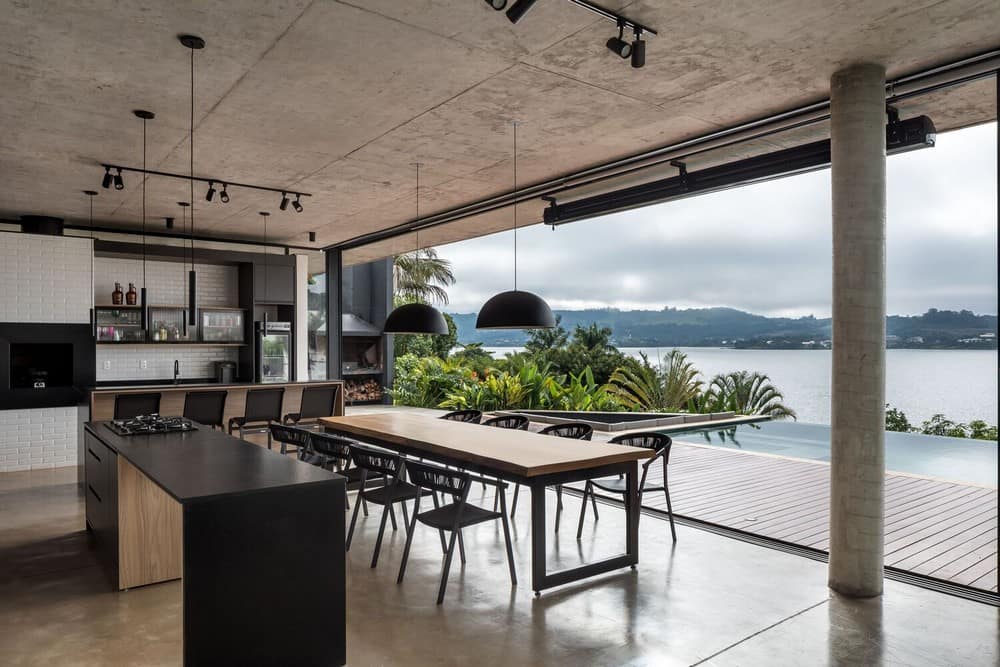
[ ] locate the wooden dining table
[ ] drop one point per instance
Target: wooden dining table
(537, 461)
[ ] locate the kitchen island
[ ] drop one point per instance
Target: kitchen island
(258, 539)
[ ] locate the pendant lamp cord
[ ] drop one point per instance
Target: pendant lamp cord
(144, 177)
(191, 164)
(91, 198)
(515, 205)
(417, 165)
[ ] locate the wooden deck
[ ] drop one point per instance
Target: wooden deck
(942, 529)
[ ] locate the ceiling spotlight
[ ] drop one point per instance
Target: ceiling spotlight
(497, 4)
(638, 50)
(211, 192)
(312, 237)
(106, 181)
(618, 45)
(170, 223)
(119, 182)
(284, 202)
(519, 9)
(224, 196)
(297, 205)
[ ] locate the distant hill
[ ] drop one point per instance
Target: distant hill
(695, 327)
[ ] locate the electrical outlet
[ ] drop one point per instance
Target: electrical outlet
(143, 364)
(107, 364)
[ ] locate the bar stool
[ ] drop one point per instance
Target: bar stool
(263, 406)
(133, 405)
(317, 402)
(205, 407)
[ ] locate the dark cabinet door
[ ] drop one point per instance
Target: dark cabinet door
(275, 285)
(101, 469)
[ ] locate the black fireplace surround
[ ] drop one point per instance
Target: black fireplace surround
(45, 365)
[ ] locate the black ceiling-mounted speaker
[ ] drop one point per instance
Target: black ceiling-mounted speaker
(42, 224)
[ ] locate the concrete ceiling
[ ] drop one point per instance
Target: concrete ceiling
(340, 98)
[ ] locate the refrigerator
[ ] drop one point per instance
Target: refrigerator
(274, 351)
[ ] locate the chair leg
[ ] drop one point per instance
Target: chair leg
(392, 515)
(670, 514)
(506, 535)
(406, 519)
(593, 502)
(406, 549)
(461, 546)
(583, 510)
(364, 505)
(381, 531)
(513, 505)
(444, 544)
(347, 499)
(354, 520)
(447, 566)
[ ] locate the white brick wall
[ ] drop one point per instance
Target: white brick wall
(37, 438)
(166, 282)
(45, 278)
(126, 361)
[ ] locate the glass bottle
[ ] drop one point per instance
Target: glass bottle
(117, 295)
(130, 296)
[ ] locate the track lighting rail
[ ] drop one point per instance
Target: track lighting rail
(635, 26)
(210, 181)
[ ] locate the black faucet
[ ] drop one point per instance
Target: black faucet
(177, 371)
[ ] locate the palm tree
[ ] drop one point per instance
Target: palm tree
(422, 276)
(745, 393)
(641, 387)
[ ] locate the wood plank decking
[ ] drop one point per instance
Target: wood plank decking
(942, 529)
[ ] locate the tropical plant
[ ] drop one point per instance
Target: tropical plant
(745, 393)
(426, 345)
(475, 357)
(980, 430)
(941, 425)
(643, 387)
(499, 391)
(541, 340)
(581, 392)
(422, 276)
(895, 420)
(425, 381)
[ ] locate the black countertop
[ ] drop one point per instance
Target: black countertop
(111, 387)
(205, 464)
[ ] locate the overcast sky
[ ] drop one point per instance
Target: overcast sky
(765, 248)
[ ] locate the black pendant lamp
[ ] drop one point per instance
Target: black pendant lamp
(184, 256)
(194, 44)
(515, 309)
(416, 318)
(93, 317)
(143, 303)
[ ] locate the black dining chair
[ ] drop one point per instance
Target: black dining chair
(660, 444)
(451, 517)
(515, 422)
(573, 431)
(468, 416)
(206, 407)
(336, 451)
(133, 405)
(316, 403)
(263, 407)
(291, 435)
(395, 489)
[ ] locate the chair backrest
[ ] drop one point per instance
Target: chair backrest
(436, 478)
(575, 430)
(290, 435)
(205, 407)
(333, 446)
(264, 405)
(318, 402)
(658, 442)
(470, 416)
(516, 422)
(376, 460)
(133, 405)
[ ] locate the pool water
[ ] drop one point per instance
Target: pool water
(956, 459)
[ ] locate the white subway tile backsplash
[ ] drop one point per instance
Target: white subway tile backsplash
(26, 445)
(45, 278)
(126, 361)
(166, 282)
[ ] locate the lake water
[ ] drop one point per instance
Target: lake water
(961, 384)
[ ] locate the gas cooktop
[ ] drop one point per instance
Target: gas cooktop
(148, 424)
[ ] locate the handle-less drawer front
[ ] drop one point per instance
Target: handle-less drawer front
(96, 460)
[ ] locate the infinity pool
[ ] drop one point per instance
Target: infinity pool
(956, 459)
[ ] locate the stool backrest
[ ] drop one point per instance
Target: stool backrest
(435, 478)
(318, 402)
(264, 405)
(575, 430)
(133, 405)
(516, 422)
(205, 407)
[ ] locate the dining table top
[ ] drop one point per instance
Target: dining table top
(520, 453)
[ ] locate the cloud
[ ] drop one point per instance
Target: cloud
(764, 248)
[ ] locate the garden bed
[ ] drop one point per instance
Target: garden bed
(620, 421)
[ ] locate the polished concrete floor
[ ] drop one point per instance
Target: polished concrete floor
(708, 600)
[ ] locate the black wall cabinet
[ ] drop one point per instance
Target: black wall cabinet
(276, 285)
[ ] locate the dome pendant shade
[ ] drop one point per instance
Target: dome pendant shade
(415, 318)
(515, 309)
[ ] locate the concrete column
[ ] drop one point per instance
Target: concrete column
(857, 457)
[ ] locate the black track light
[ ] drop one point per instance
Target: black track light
(106, 181)
(519, 9)
(224, 196)
(297, 205)
(312, 237)
(284, 202)
(638, 50)
(211, 191)
(618, 45)
(119, 182)
(497, 4)
(170, 222)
